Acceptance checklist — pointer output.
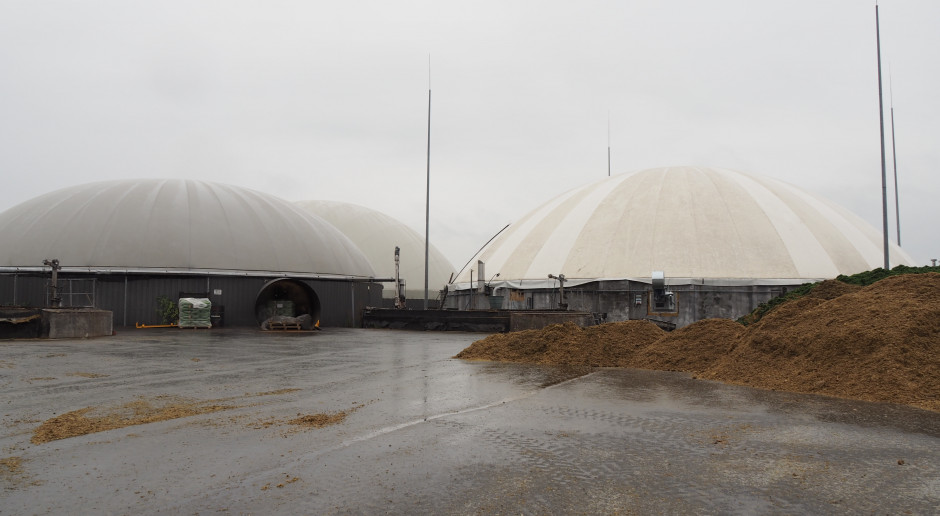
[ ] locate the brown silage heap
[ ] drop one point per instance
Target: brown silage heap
(877, 343)
(606, 345)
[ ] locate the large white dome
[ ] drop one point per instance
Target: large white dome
(377, 235)
(175, 225)
(690, 222)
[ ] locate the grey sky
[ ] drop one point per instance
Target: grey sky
(328, 100)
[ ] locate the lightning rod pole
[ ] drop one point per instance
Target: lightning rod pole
(881, 116)
(427, 200)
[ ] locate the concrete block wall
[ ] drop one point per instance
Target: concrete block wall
(66, 323)
(624, 300)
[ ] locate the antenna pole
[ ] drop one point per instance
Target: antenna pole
(427, 200)
(881, 116)
(608, 144)
(894, 159)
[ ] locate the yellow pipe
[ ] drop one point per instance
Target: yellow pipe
(155, 325)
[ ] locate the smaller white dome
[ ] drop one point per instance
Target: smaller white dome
(377, 235)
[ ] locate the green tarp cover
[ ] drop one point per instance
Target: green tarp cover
(194, 312)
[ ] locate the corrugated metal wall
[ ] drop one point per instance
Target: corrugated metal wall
(618, 299)
(22, 289)
(133, 298)
(238, 298)
(341, 303)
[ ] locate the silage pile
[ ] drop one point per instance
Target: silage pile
(874, 343)
(606, 345)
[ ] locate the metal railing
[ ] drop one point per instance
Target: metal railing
(73, 292)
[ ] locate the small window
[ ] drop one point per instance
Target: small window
(663, 302)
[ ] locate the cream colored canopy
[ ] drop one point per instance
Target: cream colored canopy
(693, 223)
(175, 225)
(377, 235)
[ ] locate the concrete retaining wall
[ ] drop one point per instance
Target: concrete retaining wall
(537, 320)
(623, 300)
(488, 321)
(72, 323)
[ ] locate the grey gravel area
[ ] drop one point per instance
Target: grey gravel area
(425, 433)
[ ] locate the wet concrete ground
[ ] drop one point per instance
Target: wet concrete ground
(429, 434)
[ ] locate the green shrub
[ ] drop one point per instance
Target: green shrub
(168, 310)
(867, 278)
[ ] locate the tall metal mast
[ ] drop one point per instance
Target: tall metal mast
(427, 200)
(881, 116)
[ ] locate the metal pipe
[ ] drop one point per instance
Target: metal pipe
(480, 249)
(561, 289)
(881, 117)
(398, 302)
(427, 200)
(138, 325)
(54, 265)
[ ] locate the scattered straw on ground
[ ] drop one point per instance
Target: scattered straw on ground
(88, 375)
(13, 474)
(288, 479)
(307, 421)
(11, 465)
(272, 393)
(162, 408)
(319, 420)
(99, 419)
(874, 343)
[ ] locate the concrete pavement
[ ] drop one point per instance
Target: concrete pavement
(425, 433)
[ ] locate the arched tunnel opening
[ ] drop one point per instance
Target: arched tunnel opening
(287, 297)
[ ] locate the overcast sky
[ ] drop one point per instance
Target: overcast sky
(328, 100)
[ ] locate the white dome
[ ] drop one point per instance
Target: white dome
(690, 222)
(377, 235)
(174, 224)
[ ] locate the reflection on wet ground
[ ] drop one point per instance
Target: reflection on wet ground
(424, 433)
(648, 386)
(530, 375)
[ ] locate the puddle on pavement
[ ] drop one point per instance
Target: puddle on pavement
(680, 391)
(532, 375)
